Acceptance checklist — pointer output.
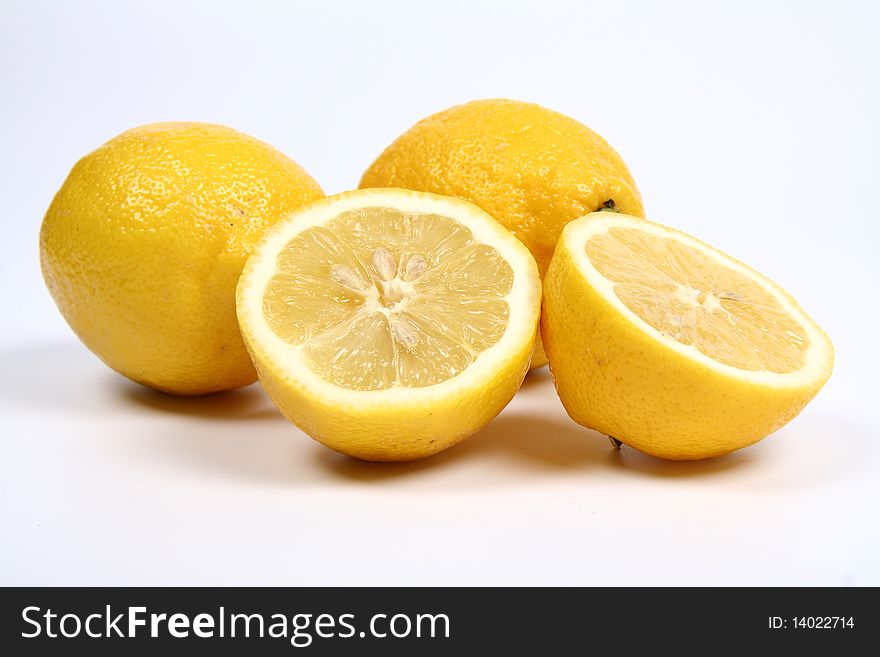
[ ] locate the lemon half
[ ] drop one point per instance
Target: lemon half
(390, 324)
(671, 346)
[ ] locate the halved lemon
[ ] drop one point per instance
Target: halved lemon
(671, 346)
(390, 324)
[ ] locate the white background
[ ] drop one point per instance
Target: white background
(753, 126)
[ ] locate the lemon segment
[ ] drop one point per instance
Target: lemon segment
(390, 324)
(671, 346)
(684, 294)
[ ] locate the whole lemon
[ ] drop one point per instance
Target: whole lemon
(531, 168)
(144, 243)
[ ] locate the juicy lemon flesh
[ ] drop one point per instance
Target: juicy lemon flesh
(389, 324)
(690, 297)
(379, 298)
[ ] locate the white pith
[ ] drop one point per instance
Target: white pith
(390, 294)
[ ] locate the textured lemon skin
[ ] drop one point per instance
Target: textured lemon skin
(142, 247)
(410, 427)
(617, 379)
(531, 168)
(394, 432)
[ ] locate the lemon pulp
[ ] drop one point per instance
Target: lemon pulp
(389, 324)
(381, 298)
(694, 299)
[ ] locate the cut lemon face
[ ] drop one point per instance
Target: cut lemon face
(671, 346)
(390, 324)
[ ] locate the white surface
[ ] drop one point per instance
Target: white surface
(753, 127)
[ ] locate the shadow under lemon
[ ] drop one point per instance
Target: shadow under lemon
(536, 445)
(235, 435)
(240, 433)
(241, 404)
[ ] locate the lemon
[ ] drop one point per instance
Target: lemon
(143, 245)
(389, 324)
(529, 167)
(671, 346)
